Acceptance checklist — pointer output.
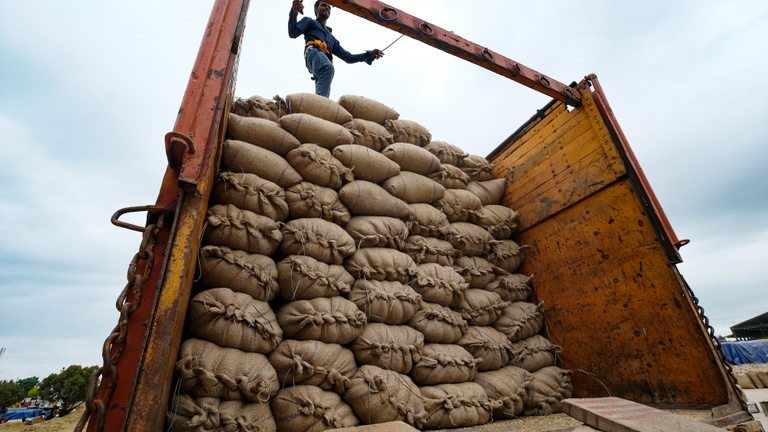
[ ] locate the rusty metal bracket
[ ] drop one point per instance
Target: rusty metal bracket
(148, 208)
(178, 145)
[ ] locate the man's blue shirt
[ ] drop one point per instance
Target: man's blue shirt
(313, 29)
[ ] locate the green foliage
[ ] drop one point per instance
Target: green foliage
(67, 388)
(35, 392)
(11, 393)
(28, 383)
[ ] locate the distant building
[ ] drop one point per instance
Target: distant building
(753, 328)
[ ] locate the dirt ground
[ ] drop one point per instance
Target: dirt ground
(59, 424)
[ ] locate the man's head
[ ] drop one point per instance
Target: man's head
(322, 10)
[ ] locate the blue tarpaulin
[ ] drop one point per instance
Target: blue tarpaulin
(746, 352)
(21, 413)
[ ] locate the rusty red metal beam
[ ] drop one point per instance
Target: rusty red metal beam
(444, 40)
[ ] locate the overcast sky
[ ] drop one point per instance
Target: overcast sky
(88, 90)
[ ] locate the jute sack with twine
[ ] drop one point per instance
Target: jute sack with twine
(305, 408)
(208, 370)
(756, 379)
(413, 188)
(239, 156)
(377, 231)
(447, 153)
(329, 320)
(310, 129)
(500, 221)
(513, 287)
(302, 277)
(476, 271)
(458, 205)
(444, 364)
(206, 414)
(408, 131)
(318, 106)
(438, 324)
(380, 396)
(520, 320)
(508, 255)
(481, 308)
(425, 250)
(240, 271)
(549, 387)
(262, 133)
(456, 405)
(369, 134)
(427, 221)
(365, 163)
(744, 381)
(488, 346)
(317, 165)
(391, 347)
(506, 386)
(412, 158)
(385, 301)
(322, 240)
(364, 198)
(368, 109)
(477, 168)
(381, 264)
(439, 284)
(257, 106)
(489, 192)
(234, 320)
(450, 177)
(534, 353)
(250, 192)
(308, 200)
(311, 362)
(470, 239)
(227, 225)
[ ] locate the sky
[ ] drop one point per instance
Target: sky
(88, 89)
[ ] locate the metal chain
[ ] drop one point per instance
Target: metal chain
(127, 302)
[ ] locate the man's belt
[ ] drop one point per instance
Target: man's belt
(318, 44)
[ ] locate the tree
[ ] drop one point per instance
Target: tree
(35, 392)
(10, 393)
(68, 387)
(28, 383)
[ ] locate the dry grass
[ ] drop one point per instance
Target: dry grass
(59, 424)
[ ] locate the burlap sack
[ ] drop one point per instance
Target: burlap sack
(385, 301)
(744, 381)
(377, 231)
(391, 347)
(508, 255)
(208, 370)
(189, 414)
(307, 200)
(227, 225)
(438, 324)
(329, 320)
(408, 131)
(364, 198)
(481, 308)
(369, 134)
(534, 353)
(477, 168)
(447, 153)
(549, 387)
(380, 396)
(513, 287)
(456, 405)
(413, 188)
(368, 109)
(428, 221)
(444, 364)
(318, 106)
(489, 192)
(252, 274)
(233, 320)
(458, 205)
(257, 106)
(239, 156)
(488, 346)
(506, 386)
(262, 133)
(325, 241)
(302, 277)
(250, 192)
(755, 379)
(317, 165)
(500, 221)
(476, 271)
(412, 158)
(311, 362)
(425, 250)
(450, 177)
(310, 129)
(763, 377)
(470, 239)
(381, 264)
(520, 320)
(366, 164)
(305, 408)
(439, 284)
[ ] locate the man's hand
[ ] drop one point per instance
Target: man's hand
(298, 7)
(377, 54)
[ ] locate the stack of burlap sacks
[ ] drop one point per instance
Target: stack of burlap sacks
(353, 271)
